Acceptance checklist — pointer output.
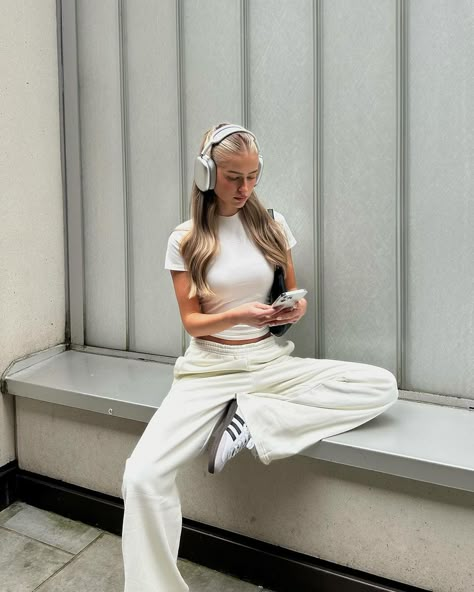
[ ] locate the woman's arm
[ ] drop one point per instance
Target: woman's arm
(290, 279)
(198, 324)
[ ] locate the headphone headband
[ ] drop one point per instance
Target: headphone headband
(225, 131)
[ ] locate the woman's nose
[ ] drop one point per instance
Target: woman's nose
(243, 187)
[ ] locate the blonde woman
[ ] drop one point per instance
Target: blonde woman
(236, 386)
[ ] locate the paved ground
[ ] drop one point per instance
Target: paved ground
(44, 552)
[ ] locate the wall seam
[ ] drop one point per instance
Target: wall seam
(401, 189)
(81, 176)
(125, 171)
(181, 126)
(62, 140)
(318, 228)
(244, 63)
(72, 154)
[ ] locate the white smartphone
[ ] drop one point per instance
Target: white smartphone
(289, 299)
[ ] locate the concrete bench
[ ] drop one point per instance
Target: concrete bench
(421, 441)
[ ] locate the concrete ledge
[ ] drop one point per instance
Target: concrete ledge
(132, 389)
(415, 440)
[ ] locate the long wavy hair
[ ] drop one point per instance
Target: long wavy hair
(200, 245)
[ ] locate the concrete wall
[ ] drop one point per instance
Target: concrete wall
(405, 530)
(32, 296)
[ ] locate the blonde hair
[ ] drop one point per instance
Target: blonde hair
(200, 245)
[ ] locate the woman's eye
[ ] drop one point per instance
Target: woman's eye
(240, 179)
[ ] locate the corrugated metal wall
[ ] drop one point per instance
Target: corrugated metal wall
(363, 111)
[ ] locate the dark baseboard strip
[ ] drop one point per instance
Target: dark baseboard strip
(8, 493)
(267, 565)
(96, 509)
(275, 567)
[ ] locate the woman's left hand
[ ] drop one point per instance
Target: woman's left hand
(282, 316)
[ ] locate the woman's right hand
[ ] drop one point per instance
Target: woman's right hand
(255, 314)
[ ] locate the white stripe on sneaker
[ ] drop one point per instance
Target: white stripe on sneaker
(236, 427)
(232, 429)
(231, 433)
(239, 419)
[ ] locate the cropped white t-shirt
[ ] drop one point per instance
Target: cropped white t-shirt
(239, 273)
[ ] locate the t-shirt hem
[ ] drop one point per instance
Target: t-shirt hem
(175, 268)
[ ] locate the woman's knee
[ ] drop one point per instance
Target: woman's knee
(144, 478)
(388, 386)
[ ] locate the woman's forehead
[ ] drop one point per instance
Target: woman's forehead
(241, 162)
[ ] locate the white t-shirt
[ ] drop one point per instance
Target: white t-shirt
(239, 273)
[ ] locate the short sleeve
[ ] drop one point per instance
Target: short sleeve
(174, 259)
(286, 229)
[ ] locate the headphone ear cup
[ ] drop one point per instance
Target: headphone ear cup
(260, 168)
(212, 173)
(202, 174)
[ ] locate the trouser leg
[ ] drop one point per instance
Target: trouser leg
(177, 433)
(296, 402)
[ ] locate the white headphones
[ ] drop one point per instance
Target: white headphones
(205, 168)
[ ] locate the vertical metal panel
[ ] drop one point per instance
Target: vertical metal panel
(402, 178)
(318, 152)
(127, 240)
(282, 116)
(245, 62)
(62, 140)
(440, 348)
(359, 181)
(180, 78)
(212, 75)
(72, 156)
(151, 64)
(102, 172)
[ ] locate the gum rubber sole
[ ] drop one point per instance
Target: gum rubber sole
(218, 432)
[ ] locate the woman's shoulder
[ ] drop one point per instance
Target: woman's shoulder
(182, 228)
(174, 259)
(280, 218)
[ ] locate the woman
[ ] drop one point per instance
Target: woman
(236, 386)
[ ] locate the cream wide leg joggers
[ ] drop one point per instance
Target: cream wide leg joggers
(288, 403)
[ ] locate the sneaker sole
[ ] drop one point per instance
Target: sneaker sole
(218, 432)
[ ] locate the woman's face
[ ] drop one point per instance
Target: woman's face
(235, 181)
